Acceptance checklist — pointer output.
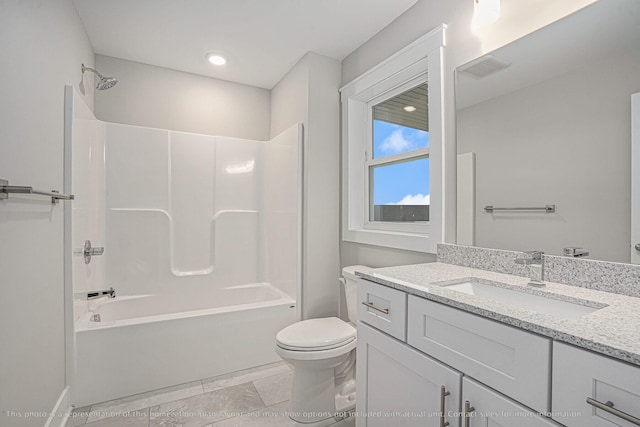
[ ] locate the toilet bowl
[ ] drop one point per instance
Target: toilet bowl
(322, 355)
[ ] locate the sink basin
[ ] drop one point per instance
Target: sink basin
(540, 304)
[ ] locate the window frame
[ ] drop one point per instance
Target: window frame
(420, 62)
(415, 227)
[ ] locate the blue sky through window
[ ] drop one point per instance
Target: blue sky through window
(404, 183)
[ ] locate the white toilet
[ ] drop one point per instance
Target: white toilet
(323, 356)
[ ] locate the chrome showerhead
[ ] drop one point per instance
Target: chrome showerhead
(105, 82)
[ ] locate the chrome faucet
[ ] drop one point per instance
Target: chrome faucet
(111, 293)
(533, 258)
(88, 251)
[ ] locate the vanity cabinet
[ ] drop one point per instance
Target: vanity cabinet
(399, 386)
(582, 380)
(410, 347)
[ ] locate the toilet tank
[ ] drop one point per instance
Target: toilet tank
(350, 289)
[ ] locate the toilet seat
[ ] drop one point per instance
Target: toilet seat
(316, 335)
(320, 357)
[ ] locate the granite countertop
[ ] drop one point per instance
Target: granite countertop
(612, 330)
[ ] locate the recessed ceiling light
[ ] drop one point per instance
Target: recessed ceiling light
(409, 108)
(216, 58)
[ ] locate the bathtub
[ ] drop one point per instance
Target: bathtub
(146, 342)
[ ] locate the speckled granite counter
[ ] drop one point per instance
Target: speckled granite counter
(613, 330)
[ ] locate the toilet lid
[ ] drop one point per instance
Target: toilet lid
(316, 334)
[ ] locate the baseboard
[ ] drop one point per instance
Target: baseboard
(61, 411)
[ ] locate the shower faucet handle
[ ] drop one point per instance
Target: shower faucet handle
(88, 251)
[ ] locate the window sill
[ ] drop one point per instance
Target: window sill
(418, 242)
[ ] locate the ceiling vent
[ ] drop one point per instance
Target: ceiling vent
(484, 66)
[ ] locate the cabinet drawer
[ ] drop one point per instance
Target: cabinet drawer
(492, 409)
(512, 361)
(579, 374)
(383, 308)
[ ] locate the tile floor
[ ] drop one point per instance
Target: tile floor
(253, 397)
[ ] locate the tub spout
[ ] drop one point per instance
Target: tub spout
(111, 293)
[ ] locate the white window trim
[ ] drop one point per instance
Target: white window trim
(407, 67)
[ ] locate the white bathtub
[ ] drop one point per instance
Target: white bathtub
(148, 342)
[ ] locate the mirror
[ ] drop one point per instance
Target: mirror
(548, 120)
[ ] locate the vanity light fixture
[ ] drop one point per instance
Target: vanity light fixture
(486, 11)
(216, 58)
(410, 108)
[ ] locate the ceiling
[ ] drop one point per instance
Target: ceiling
(392, 110)
(263, 39)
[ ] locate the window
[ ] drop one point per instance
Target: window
(398, 161)
(392, 150)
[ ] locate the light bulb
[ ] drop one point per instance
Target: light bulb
(486, 11)
(216, 58)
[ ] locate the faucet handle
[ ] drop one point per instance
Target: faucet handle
(574, 251)
(534, 257)
(88, 251)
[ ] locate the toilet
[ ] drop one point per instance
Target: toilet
(323, 357)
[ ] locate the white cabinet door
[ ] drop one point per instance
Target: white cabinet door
(583, 382)
(399, 386)
(508, 359)
(484, 407)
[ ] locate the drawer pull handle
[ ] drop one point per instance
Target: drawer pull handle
(608, 407)
(443, 393)
(467, 412)
(381, 310)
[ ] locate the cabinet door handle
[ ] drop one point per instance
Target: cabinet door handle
(608, 407)
(381, 310)
(467, 412)
(443, 393)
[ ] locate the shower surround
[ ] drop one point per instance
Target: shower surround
(202, 245)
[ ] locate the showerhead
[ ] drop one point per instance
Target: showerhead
(105, 82)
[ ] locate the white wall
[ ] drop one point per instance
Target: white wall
(42, 44)
(309, 94)
(565, 141)
(167, 99)
(464, 42)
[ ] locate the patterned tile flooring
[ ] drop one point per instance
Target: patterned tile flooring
(256, 397)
